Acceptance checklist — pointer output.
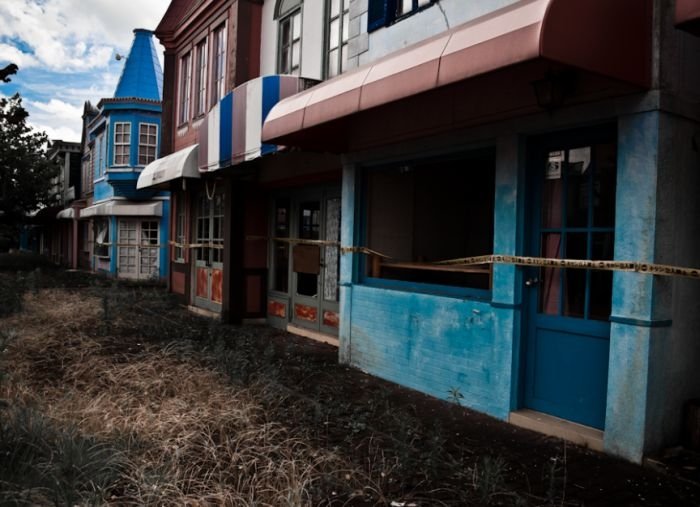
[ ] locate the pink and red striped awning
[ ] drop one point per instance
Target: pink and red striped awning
(603, 37)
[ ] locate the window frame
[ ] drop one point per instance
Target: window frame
(184, 98)
(201, 77)
(127, 134)
(343, 18)
(364, 262)
(382, 13)
(88, 173)
(147, 145)
(99, 158)
(289, 17)
(180, 229)
(219, 62)
(104, 244)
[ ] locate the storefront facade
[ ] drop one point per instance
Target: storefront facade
(546, 130)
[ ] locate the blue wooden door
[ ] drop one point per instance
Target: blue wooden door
(572, 216)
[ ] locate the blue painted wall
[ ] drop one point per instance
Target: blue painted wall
(435, 344)
(432, 344)
(633, 294)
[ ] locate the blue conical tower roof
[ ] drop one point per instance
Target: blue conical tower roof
(142, 76)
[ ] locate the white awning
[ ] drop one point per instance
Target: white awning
(132, 209)
(181, 164)
(66, 213)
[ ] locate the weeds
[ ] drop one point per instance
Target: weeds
(40, 463)
(119, 397)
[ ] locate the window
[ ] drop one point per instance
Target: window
(148, 140)
(185, 86)
(99, 147)
(289, 41)
(88, 175)
(384, 12)
(122, 143)
(180, 238)
(219, 64)
(101, 230)
(422, 212)
(577, 221)
(200, 90)
(338, 21)
(404, 7)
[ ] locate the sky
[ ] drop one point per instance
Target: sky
(66, 52)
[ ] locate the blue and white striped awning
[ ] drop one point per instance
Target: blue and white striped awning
(231, 132)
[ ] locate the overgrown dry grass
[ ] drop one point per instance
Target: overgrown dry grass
(111, 394)
(180, 432)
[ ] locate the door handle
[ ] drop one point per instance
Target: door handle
(532, 282)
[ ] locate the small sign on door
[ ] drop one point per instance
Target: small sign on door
(554, 164)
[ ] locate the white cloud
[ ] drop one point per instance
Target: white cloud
(12, 54)
(59, 119)
(65, 51)
(63, 133)
(69, 35)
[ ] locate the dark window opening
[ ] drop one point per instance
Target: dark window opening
(419, 213)
(384, 12)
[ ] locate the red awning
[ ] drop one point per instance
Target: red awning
(604, 37)
(688, 15)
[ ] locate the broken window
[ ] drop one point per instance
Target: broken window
(102, 244)
(422, 212)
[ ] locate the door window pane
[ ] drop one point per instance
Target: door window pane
(332, 253)
(600, 302)
(550, 285)
(604, 186)
(578, 171)
(575, 279)
(280, 253)
(309, 228)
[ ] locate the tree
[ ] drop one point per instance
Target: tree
(25, 170)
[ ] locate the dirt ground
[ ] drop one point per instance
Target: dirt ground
(186, 411)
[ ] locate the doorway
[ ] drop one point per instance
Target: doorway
(208, 266)
(138, 249)
(305, 261)
(572, 216)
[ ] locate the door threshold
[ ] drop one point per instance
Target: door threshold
(557, 427)
(313, 335)
(204, 313)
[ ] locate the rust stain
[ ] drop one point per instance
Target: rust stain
(331, 319)
(202, 289)
(303, 312)
(277, 309)
(217, 282)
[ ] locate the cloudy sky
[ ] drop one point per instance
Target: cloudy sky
(65, 50)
